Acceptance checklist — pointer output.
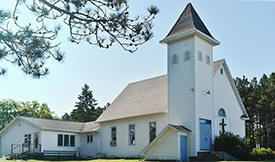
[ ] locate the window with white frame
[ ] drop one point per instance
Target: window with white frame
(65, 140)
(221, 112)
(89, 138)
(35, 139)
(27, 139)
(221, 71)
(72, 140)
(152, 131)
(113, 136)
(132, 132)
(60, 140)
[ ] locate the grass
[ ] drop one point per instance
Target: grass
(98, 160)
(101, 160)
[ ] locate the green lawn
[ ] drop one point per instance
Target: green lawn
(99, 160)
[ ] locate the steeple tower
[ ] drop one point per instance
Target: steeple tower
(190, 75)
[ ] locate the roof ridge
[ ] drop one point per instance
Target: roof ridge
(53, 119)
(220, 60)
(195, 15)
(192, 14)
(163, 75)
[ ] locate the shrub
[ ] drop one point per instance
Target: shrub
(232, 144)
(262, 154)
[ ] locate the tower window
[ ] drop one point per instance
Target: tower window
(175, 59)
(199, 56)
(207, 59)
(187, 56)
(221, 71)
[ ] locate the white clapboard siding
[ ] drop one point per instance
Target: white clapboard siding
(225, 98)
(181, 87)
(49, 141)
(15, 135)
(123, 149)
(89, 149)
(166, 148)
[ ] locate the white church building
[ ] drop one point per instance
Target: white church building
(169, 117)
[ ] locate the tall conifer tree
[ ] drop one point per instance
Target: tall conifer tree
(86, 107)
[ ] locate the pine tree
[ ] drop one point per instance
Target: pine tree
(66, 116)
(86, 107)
(30, 43)
(258, 98)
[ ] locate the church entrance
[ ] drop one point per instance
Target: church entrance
(205, 134)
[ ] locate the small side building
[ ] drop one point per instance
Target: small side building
(170, 144)
(34, 135)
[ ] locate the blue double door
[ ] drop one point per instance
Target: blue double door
(205, 134)
(183, 148)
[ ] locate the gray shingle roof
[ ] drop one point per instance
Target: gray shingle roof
(188, 20)
(180, 128)
(217, 64)
(90, 126)
(141, 98)
(59, 125)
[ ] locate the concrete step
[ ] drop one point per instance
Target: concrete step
(224, 155)
(205, 156)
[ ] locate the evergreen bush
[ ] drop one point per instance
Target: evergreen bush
(232, 144)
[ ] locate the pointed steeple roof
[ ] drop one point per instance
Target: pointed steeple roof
(188, 20)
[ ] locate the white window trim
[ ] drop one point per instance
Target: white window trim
(134, 141)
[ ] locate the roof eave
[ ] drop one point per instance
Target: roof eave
(22, 119)
(187, 34)
(60, 130)
(7, 126)
(235, 91)
(91, 131)
(245, 119)
(108, 120)
(222, 61)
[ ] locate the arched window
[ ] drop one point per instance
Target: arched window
(175, 59)
(187, 56)
(221, 112)
(221, 71)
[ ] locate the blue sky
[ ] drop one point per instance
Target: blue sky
(245, 28)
